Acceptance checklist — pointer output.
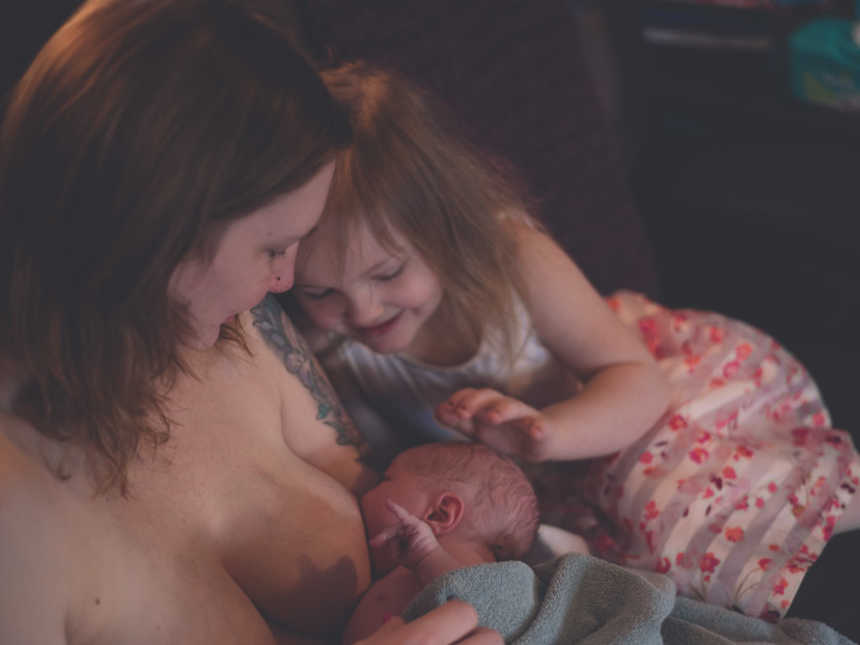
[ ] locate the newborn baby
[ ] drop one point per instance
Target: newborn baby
(440, 507)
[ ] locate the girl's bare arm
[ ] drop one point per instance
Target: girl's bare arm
(625, 392)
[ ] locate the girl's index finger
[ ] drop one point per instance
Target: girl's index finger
(506, 409)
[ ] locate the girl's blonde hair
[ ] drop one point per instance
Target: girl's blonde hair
(409, 172)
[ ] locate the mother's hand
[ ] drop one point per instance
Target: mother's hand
(454, 622)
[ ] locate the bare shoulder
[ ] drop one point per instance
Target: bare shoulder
(570, 316)
(33, 556)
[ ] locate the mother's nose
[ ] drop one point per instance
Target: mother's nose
(280, 285)
(283, 271)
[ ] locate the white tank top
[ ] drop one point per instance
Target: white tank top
(405, 391)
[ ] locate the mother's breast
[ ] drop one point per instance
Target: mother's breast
(295, 543)
(290, 536)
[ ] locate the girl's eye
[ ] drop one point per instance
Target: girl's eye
(276, 253)
(392, 275)
(316, 294)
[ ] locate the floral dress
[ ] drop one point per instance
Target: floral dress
(737, 489)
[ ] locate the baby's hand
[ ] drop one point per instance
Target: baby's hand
(502, 422)
(411, 539)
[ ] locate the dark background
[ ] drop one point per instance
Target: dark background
(748, 195)
(749, 200)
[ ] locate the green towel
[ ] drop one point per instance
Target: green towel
(582, 599)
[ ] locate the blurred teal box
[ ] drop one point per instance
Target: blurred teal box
(824, 63)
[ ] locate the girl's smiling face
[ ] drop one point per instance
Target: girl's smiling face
(255, 254)
(379, 297)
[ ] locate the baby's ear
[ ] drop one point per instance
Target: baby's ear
(446, 513)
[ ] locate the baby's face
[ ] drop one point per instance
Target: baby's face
(400, 485)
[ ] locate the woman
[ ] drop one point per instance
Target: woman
(160, 162)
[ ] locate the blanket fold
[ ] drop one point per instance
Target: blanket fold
(582, 599)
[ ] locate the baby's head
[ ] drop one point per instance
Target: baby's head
(408, 194)
(465, 489)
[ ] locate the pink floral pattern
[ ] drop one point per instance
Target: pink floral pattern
(736, 491)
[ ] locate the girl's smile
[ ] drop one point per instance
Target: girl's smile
(381, 329)
(379, 297)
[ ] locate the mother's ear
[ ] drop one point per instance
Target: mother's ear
(446, 513)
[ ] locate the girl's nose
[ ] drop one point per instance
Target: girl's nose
(364, 310)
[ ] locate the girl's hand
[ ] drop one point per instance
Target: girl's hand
(411, 539)
(453, 622)
(502, 422)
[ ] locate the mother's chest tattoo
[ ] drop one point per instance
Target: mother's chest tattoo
(295, 354)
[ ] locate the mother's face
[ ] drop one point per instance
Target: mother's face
(256, 254)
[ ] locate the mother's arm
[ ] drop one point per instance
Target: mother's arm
(330, 440)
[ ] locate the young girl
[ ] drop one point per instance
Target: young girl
(432, 296)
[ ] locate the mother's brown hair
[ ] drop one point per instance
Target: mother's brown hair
(139, 126)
